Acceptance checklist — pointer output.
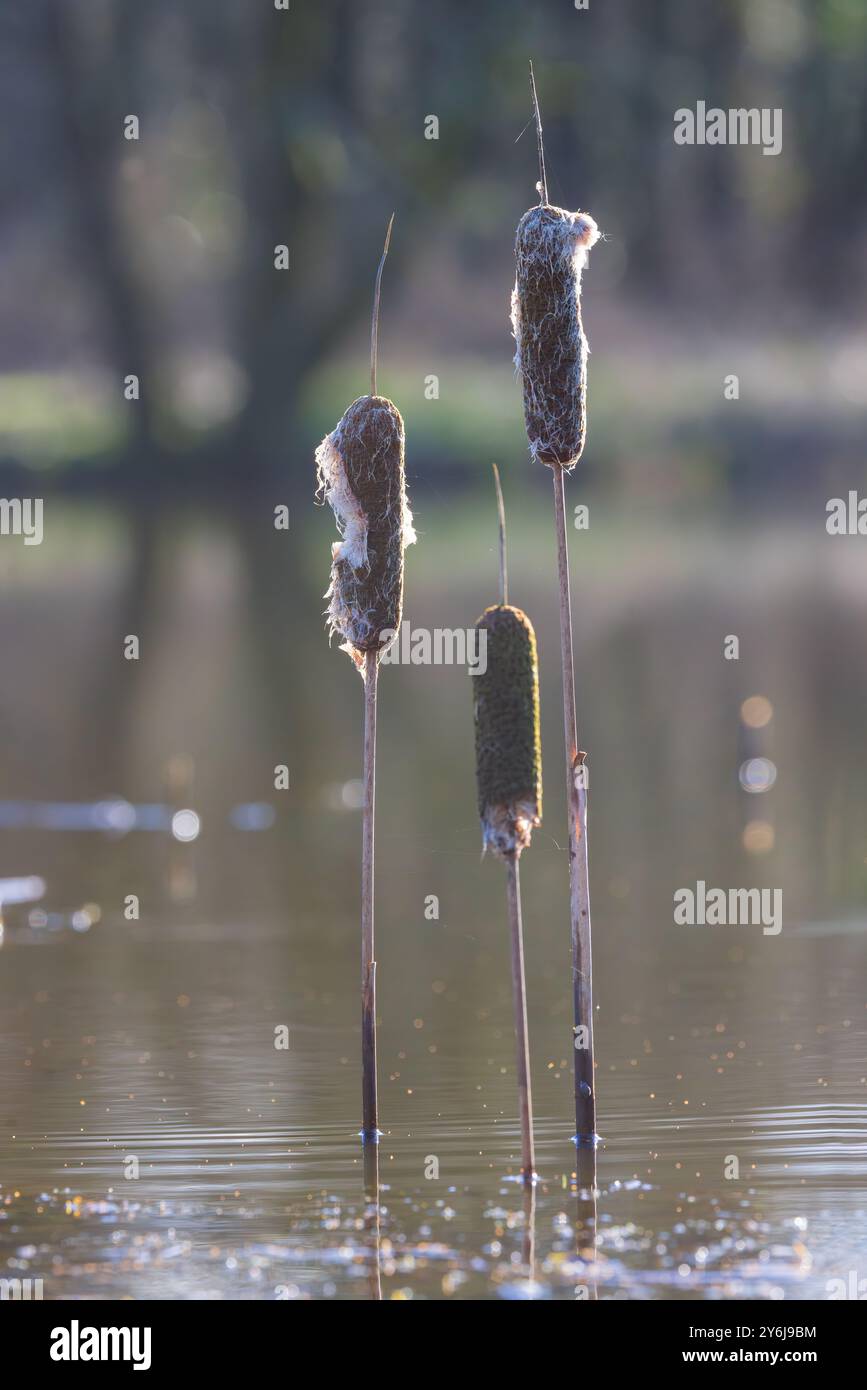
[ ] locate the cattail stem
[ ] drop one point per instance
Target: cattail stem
(370, 1127)
(519, 996)
(579, 885)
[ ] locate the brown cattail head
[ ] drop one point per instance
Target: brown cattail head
(361, 474)
(508, 744)
(551, 248)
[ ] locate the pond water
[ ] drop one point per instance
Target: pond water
(155, 1142)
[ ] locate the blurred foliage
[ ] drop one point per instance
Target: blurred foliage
(262, 127)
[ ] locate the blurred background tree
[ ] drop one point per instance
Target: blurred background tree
(261, 127)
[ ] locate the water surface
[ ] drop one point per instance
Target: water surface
(153, 1139)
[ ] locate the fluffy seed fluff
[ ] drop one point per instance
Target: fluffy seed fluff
(360, 471)
(551, 247)
(508, 744)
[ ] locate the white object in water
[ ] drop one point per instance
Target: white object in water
(21, 890)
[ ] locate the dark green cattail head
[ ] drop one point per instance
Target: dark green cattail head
(551, 248)
(361, 474)
(508, 745)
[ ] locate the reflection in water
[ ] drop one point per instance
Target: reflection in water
(118, 817)
(372, 1215)
(21, 890)
(251, 1181)
(154, 1039)
(530, 1231)
(586, 1218)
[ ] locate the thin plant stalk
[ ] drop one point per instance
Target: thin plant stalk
(501, 515)
(579, 905)
(374, 322)
(579, 882)
(519, 996)
(370, 1126)
(540, 145)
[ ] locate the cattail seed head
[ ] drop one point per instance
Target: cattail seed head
(551, 248)
(361, 474)
(508, 744)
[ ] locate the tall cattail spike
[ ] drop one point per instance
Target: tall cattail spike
(362, 476)
(509, 784)
(508, 745)
(361, 473)
(551, 247)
